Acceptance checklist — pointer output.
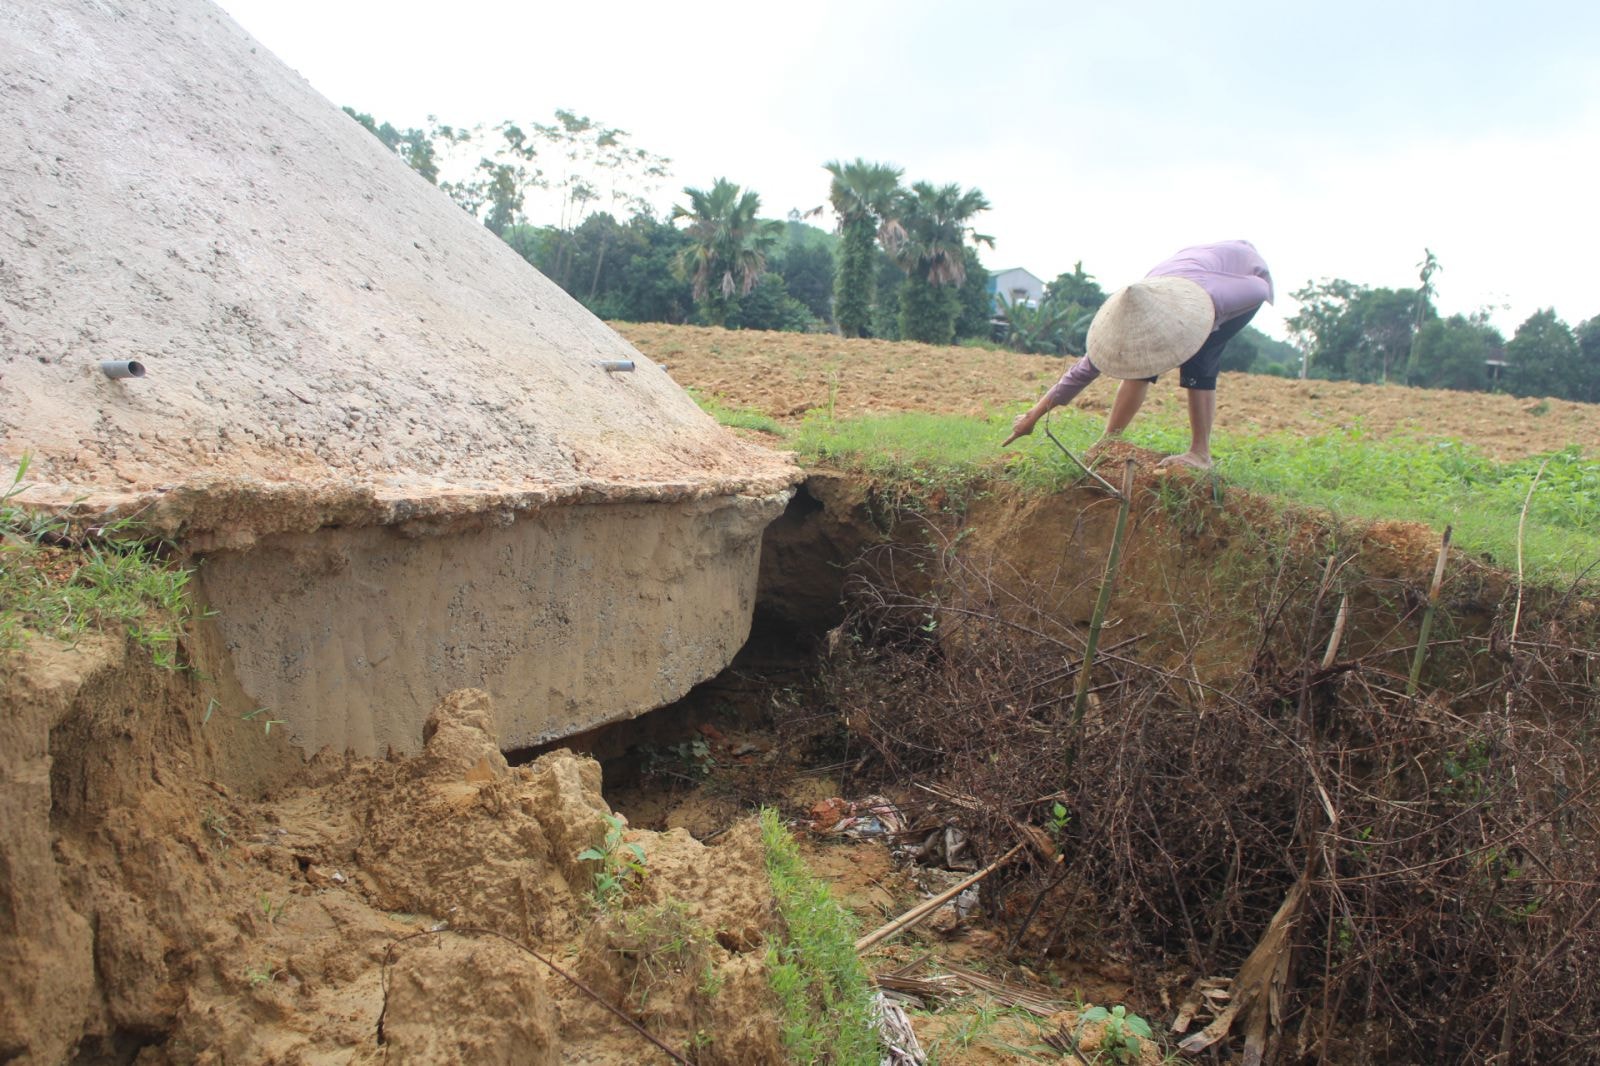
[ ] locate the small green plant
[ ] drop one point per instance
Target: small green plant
(711, 981)
(663, 947)
(1466, 772)
(262, 976)
(1121, 1036)
(217, 826)
(979, 1023)
(691, 759)
(1060, 818)
(620, 864)
(266, 723)
(270, 911)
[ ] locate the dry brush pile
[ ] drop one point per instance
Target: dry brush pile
(1387, 875)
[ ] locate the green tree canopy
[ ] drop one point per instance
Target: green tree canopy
(1453, 353)
(1586, 377)
(974, 301)
(807, 265)
(415, 146)
(1077, 296)
(769, 306)
(863, 196)
(728, 245)
(936, 225)
(1354, 332)
(1544, 358)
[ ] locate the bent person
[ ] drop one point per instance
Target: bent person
(1183, 314)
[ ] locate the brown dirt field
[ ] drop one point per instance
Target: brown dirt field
(787, 374)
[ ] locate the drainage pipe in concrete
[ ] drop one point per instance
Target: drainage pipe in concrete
(122, 368)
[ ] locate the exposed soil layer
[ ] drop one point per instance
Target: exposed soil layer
(177, 888)
(786, 375)
(369, 911)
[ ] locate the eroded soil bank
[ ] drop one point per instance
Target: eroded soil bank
(368, 911)
(1273, 824)
(178, 888)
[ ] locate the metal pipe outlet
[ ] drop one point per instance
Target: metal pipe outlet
(122, 368)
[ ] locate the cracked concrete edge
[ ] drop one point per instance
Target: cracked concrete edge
(231, 513)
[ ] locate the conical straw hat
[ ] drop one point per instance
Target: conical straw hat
(1150, 327)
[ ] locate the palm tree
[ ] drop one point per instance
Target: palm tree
(863, 195)
(932, 252)
(730, 245)
(1427, 269)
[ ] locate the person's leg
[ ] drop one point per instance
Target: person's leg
(1198, 377)
(1130, 397)
(1202, 414)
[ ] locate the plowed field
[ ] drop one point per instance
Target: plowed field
(787, 374)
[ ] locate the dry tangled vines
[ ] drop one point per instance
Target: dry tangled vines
(1446, 845)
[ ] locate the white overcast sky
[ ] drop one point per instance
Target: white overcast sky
(1341, 138)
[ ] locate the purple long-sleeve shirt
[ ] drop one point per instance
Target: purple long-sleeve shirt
(1233, 274)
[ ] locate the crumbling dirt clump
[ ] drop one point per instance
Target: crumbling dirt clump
(407, 910)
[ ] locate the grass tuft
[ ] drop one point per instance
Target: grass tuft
(58, 585)
(735, 417)
(822, 989)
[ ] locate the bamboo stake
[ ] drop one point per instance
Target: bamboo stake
(1427, 615)
(1522, 521)
(926, 907)
(1080, 699)
(1338, 633)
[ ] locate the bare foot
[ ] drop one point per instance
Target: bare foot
(1189, 459)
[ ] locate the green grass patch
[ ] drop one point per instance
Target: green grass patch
(933, 452)
(822, 988)
(735, 417)
(1347, 472)
(113, 580)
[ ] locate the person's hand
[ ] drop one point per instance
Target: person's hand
(1021, 427)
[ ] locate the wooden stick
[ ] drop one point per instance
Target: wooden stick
(1081, 464)
(926, 907)
(1080, 699)
(1427, 615)
(1516, 616)
(1338, 633)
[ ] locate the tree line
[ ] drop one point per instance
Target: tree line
(1354, 332)
(904, 263)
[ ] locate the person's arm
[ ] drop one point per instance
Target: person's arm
(1061, 393)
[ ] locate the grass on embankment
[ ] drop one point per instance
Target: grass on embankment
(112, 580)
(822, 989)
(1348, 473)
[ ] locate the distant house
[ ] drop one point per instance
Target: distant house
(1009, 286)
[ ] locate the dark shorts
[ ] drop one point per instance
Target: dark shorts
(1199, 371)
